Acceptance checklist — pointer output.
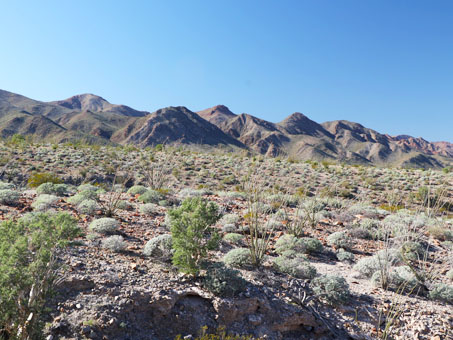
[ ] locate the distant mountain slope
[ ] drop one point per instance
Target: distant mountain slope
(92, 118)
(177, 124)
(90, 102)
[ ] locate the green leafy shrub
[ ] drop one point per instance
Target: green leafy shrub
(28, 269)
(294, 266)
(9, 197)
(36, 179)
(159, 247)
(124, 205)
(82, 196)
(114, 243)
(442, 292)
(332, 289)
(105, 225)
(137, 190)
(238, 257)
(223, 281)
(339, 239)
(192, 233)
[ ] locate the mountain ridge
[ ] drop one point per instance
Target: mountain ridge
(92, 117)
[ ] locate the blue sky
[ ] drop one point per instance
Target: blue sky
(385, 64)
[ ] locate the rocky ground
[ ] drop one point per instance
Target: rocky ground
(104, 294)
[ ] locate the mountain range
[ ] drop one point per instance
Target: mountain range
(93, 119)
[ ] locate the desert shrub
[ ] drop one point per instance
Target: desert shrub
(9, 197)
(398, 278)
(310, 245)
(148, 209)
(124, 205)
(233, 238)
(159, 247)
(114, 243)
(83, 195)
(296, 266)
(343, 255)
(28, 269)
(412, 251)
(238, 257)
(88, 187)
(442, 292)
(36, 179)
(441, 233)
(332, 289)
(137, 190)
(151, 196)
(44, 202)
(52, 189)
(450, 274)
(229, 219)
(229, 228)
(223, 281)
(192, 233)
(87, 207)
(361, 233)
(365, 210)
(386, 258)
(5, 185)
(190, 193)
(105, 225)
(339, 239)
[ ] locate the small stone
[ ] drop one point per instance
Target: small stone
(255, 319)
(86, 329)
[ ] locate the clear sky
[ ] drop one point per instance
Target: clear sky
(385, 64)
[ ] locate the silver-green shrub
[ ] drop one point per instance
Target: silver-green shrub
(159, 247)
(114, 243)
(9, 197)
(332, 289)
(238, 257)
(105, 225)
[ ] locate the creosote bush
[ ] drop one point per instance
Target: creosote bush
(193, 236)
(36, 179)
(105, 225)
(28, 269)
(332, 289)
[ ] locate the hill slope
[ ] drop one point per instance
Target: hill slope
(90, 117)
